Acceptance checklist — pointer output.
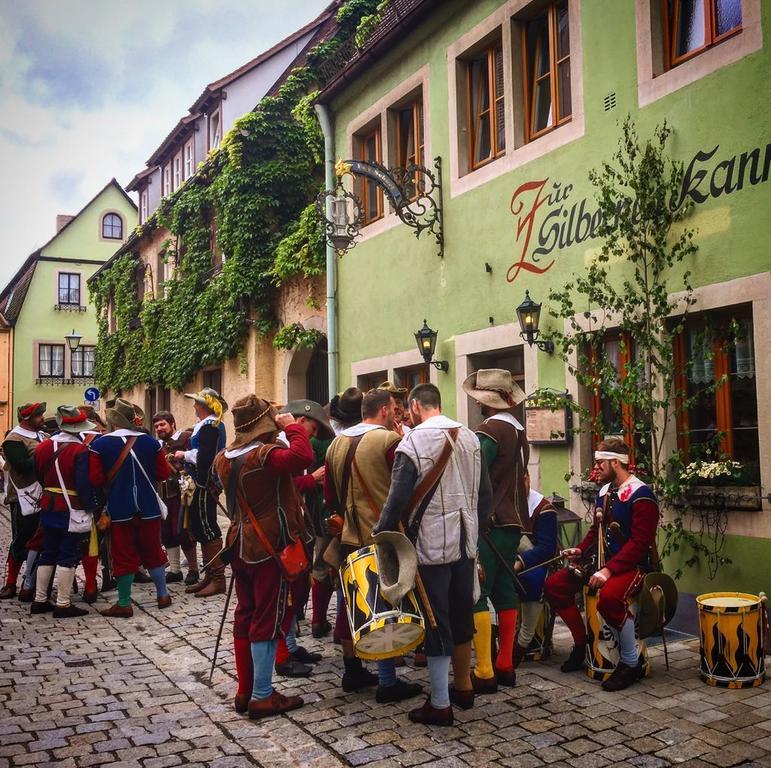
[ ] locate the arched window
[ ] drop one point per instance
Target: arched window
(112, 227)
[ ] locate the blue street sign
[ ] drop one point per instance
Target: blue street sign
(92, 394)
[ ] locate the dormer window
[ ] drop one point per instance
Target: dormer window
(112, 227)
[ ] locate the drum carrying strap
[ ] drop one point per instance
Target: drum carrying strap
(345, 480)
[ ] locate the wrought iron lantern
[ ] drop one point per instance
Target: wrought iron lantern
(342, 214)
(529, 314)
(426, 341)
(73, 340)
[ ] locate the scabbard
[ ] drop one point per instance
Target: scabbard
(508, 567)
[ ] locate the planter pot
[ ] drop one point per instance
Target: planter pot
(746, 497)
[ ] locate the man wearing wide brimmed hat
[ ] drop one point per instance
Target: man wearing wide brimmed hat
(207, 439)
(505, 449)
(23, 492)
(399, 393)
(256, 472)
(66, 523)
(345, 409)
(129, 464)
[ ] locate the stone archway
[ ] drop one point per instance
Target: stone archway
(307, 376)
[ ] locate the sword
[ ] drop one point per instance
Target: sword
(222, 625)
(506, 566)
(541, 565)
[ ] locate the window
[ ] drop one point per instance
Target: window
(546, 42)
(51, 361)
(410, 147)
(143, 205)
(166, 180)
(215, 129)
(177, 171)
(83, 362)
(692, 26)
(369, 148)
(69, 289)
(719, 348)
(188, 165)
(371, 380)
(411, 377)
(213, 379)
(112, 227)
(486, 124)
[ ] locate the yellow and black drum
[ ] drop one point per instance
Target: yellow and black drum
(602, 651)
(379, 630)
(732, 642)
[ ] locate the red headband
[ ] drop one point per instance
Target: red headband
(29, 410)
(74, 419)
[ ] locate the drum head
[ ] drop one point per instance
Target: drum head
(390, 640)
(732, 602)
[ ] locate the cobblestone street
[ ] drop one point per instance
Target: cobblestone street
(92, 691)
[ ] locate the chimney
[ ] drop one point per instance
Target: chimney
(62, 219)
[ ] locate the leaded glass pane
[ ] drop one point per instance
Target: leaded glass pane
(728, 16)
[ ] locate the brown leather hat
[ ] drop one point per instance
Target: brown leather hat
(252, 417)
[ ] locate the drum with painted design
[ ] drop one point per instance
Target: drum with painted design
(379, 630)
(732, 642)
(602, 650)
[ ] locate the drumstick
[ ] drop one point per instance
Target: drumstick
(541, 565)
(422, 594)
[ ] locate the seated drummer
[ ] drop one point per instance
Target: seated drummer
(623, 499)
(538, 545)
(356, 484)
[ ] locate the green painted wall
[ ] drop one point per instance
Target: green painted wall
(389, 283)
(38, 319)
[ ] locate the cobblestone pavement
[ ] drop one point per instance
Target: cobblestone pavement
(93, 691)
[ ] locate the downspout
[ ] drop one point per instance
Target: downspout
(329, 183)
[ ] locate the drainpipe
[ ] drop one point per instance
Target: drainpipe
(329, 183)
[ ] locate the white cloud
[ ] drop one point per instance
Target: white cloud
(89, 88)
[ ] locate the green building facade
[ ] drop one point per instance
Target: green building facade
(48, 299)
(520, 100)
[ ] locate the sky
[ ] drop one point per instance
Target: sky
(90, 88)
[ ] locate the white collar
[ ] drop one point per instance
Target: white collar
(203, 422)
(533, 500)
(66, 437)
(176, 435)
(28, 433)
(281, 438)
(124, 433)
(361, 429)
(508, 418)
(633, 481)
(234, 453)
(438, 422)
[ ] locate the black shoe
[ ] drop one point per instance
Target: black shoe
(44, 607)
(191, 578)
(109, 585)
(576, 661)
(141, 578)
(506, 677)
(399, 691)
(306, 657)
(355, 681)
(623, 676)
(462, 699)
(321, 630)
(26, 595)
(484, 684)
(69, 612)
(293, 668)
(173, 578)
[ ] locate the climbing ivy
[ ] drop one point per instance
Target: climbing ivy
(297, 336)
(251, 202)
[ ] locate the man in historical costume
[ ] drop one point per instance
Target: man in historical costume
(66, 523)
(207, 440)
(399, 393)
(345, 409)
(441, 486)
(292, 660)
(173, 440)
(256, 472)
(539, 543)
(97, 542)
(630, 545)
(129, 464)
(23, 492)
(358, 478)
(506, 452)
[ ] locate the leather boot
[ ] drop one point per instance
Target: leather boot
(216, 573)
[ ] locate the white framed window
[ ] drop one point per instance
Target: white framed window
(83, 362)
(143, 205)
(177, 171)
(189, 160)
(215, 129)
(51, 361)
(166, 180)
